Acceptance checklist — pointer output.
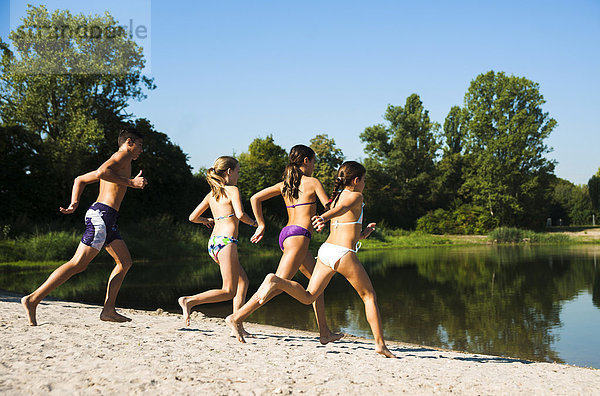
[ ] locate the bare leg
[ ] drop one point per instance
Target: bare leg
(119, 252)
(353, 270)
(230, 270)
(82, 257)
(240, 298)
(295, 256)
(295, 250)
(185, 310)
(325, 334)
(317, 284)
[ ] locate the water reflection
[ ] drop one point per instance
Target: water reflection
(504, 301)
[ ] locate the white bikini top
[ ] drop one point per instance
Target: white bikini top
(360, 218)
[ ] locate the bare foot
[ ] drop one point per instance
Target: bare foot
(186, 313)
(382, 350)
(265, 288)
(235, 328)
(244, 332)
(112, 316)
(29, 310)
(331, 337)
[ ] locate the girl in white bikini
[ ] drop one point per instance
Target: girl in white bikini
(338, 253)
(300, 192)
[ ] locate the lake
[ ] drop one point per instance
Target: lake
(529, 302)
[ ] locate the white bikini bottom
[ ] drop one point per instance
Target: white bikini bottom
(331, 254)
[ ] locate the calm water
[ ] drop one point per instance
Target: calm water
(525, 302)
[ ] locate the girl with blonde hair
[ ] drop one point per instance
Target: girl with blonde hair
(225, 204)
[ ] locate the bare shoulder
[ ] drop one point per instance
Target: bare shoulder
(232, 191)
(120, 158)
(310, 181)
(353, 196)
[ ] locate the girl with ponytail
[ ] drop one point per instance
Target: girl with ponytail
(225, 204)
(338, 253)
(300, 193)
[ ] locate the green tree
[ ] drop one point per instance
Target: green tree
(70, 79)
(329, 159)
(594, 190)
(401, 163)
(570, 204)
(262, 166)
(172, 189)
(507, 171)
(450, 172)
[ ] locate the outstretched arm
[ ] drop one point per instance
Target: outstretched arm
(256, 201)
(109, 171)
(367, 231)
(195, 216)
(78, 186)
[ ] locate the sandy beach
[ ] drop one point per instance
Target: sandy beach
(72, 352)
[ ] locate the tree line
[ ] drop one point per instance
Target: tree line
(63, 100)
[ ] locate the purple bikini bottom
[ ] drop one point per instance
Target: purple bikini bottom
(292, 230)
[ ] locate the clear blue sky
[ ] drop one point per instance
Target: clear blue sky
(228, 72)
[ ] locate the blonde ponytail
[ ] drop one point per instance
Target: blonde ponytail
(215, 176)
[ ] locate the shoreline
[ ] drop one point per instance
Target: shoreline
(72, 351)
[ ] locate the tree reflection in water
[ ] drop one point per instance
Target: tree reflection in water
(492, 300)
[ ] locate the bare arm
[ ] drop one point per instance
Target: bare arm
(78, 186)
(342, 207)
(195, 216)
(321, 194)
(109, 171)
(256, 202)
(367, 231)
(257, 199)
(236, 201)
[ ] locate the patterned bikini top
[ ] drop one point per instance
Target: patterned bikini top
(225, 217)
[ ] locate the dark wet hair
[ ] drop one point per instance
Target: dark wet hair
(348, 171)
(292, 173)
(129, 133)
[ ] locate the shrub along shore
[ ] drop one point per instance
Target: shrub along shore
(163, 238)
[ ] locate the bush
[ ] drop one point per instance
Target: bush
(515, 235)
(466, 219)
(507, 235)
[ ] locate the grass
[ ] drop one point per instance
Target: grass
(517, 235)
(162, 238)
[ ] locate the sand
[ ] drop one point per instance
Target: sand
(72, 352)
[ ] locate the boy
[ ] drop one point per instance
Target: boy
(101, 229)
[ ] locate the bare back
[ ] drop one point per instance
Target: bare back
(222, 209)
(301, 210)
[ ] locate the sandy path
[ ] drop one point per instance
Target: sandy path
(72, 352)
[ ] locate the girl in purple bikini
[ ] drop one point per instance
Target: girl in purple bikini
(300, 192)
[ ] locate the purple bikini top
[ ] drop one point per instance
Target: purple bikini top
(300, 204)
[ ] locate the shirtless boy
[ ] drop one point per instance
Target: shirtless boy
(101, 230)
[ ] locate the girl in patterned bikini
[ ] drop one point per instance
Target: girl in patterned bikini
(300, 192)
(225, 204)
(338, 253)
